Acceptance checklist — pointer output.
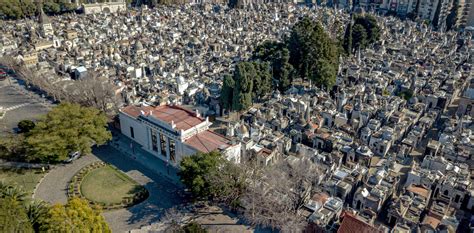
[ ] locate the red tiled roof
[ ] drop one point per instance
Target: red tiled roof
(208, 141)
(351, 224)
(265, 152)
(320, 197)
(419, 190)
(134, 111)
(432, 221)
(183, 119)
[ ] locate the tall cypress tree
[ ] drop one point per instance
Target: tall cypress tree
(347, 44)
(227, 92)
(359, 36)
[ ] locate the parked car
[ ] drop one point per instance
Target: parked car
(3, 75)
(73, 156)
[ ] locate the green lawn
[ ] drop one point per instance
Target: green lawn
(108, 185)
(25, 178)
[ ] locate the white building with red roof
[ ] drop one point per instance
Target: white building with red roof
(173, 132)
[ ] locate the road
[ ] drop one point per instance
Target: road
(20, 104)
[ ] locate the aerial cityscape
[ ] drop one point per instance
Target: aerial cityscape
(144, 116)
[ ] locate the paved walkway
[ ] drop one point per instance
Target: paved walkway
(164, 193)
(134, 151)
(53, 187)
(159, 179)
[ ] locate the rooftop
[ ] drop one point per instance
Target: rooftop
(352, 224)
(208, 141)
(182, 118)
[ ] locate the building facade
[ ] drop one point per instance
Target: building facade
(172, 133)
(110, 6)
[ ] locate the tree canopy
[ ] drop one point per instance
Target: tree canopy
(210, 176)
(310, 47)
(278, 55)
(75, 216)
(361, 31)
(227, 93)
(251, 80)
(17, 9)
(12, 147)
(13, 217)
(65, 129)
(309, 53)
(17, 212)
(25, 126)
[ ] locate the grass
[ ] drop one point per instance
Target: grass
(108, 185)
(24, 178)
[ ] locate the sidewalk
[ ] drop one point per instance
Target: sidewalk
(150, 161)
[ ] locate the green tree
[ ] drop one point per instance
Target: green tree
(243, 87)
(369, 22)
(233, 3)
(452, 16)
(12, 147)
(28, 8)
(193, 227)
(37, 212)
(194, 169)
(308, 43)
(51, 7)
(75, 216)
(15, 193)
(11, 9)
(347, 42)
(263, 71)
(227, 92)
(65, 129)
(278, 55)
(210, 176)
(359, 37)
(13, 217)
(34, 210)
(407, 94)
(326, 74)
(25, 126)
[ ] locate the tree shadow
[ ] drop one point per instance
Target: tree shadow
(163, 194)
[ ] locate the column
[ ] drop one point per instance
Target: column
(160, 151)
(149, 138)
(167, 149)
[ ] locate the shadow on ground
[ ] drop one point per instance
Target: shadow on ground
(164, 194)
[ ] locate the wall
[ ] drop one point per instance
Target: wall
(140, 131)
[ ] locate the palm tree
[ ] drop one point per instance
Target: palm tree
(13, 192)
(36, 210)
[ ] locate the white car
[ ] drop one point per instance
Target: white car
(73, 156)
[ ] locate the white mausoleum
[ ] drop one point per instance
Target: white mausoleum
(172, 132)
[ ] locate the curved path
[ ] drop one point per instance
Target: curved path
(163, 194)
(53, 187)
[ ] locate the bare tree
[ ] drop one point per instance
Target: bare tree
(274, 195)
(173, 220)
(92, 91)
(96, 91)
